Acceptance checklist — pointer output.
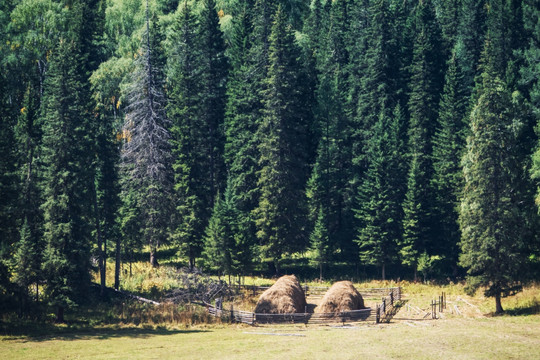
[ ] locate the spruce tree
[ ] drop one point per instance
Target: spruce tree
(495, 217)
(67, 180)
(213, 96)
(448, 149)
(328, 189)
(105, 86)
(530, 79)
(280, 215)
(425, 86)
(470, 40)
(9, 188)
(242, 116)
(381, 195)
(228, 246)
(146, 150)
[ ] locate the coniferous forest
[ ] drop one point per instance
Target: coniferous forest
(392, 138)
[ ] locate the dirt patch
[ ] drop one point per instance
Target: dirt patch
(286, 296)
(342, 296)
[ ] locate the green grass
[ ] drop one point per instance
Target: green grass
(506, 337)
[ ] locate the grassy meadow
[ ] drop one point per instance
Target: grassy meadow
(467, 329)
(506, 337)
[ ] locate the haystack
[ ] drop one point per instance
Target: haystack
(342, 296)
(286, 296)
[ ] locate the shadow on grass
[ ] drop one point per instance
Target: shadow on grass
(47, 332)
(533, 309)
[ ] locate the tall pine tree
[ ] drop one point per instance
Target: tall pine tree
(425, 89)
(280, 215)
(67, 179)
(495, 213)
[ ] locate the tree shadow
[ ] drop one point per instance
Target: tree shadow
(533, 309)
(47, 332)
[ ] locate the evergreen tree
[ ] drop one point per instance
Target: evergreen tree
(280, 215)
(227, 242)
(530, 78)
(8, 188)
(105, 84)
(495, 217)
(448, 148)
(448, 16)
(381, 195)
(328, 188)
(425, 85)
(470, 39)
(146, 151)
(67, 177)
(242, 117)
(213, 96)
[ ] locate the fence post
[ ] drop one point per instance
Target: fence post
(444, 294)
(232, 314)
(392, 298)
(399, 293)
(377, 314)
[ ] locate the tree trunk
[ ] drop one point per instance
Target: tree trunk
(415, 274)
(498, 305)
(99, 244)
(276, 265)
(383, 271)
(117, 265)
(153, 257)
(320, 272)
(59, 315)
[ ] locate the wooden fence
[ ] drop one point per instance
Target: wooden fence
(367, 293)
(383, 312)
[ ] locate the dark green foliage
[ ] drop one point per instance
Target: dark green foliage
(495, 217)
(187, 132)
(425, 87)
(448, 149)
(197, 77)
(380, 197)
(8, 188)
(212, 96)
(280, 215)
(470, 40)
(67, 180)
(242, 118)
(228, 246)
(448, 16)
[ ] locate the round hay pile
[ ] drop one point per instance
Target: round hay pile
(286, 296)
(342, 296)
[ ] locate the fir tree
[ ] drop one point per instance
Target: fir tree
(448, 148)
(280, 215)
(530, 79)
(67, 174)
(495, 213)
(227, 242)
(470, 40)
(423, 103)
(8, 187)
(213, 96)
(242, 117)
(381, 195)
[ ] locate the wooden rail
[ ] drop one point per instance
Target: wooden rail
(367, 293)
(297, 318)
(383, 312)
